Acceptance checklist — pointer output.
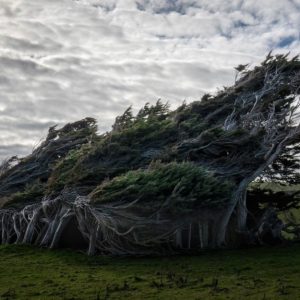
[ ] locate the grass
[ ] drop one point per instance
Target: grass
(266, 273)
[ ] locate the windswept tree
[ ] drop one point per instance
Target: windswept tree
(162, 180)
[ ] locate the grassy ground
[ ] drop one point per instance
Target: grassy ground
(267, 273)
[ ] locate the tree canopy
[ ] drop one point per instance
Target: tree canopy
(201, 157)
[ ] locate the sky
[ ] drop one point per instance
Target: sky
(63, 60)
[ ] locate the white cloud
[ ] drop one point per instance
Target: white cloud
(62, 60)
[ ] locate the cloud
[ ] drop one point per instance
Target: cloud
(63, 60)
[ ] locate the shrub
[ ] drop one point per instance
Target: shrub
(180, 185)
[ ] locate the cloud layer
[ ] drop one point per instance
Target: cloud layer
(62, 60)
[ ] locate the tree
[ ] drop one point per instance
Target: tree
(243, 132)
(124, 121)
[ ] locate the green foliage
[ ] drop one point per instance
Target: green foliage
(118, 151)
(62, 171)
(31, 194)
(146, 132)
(191, 127)
(182, 185)
(150, 125)
(124, 121)
(149, 112)
(84, 127)
(26, 181)
(75, 156)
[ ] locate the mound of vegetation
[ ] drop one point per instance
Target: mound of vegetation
(179, 186)
(164, 180)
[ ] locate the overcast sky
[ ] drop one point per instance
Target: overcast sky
(63, 60)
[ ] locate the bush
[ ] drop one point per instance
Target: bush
(182, 185)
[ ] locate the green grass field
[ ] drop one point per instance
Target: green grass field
(265, 273)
